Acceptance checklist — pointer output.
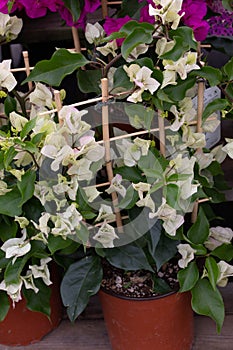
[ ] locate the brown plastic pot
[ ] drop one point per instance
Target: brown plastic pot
(22, 326)
(160, 323)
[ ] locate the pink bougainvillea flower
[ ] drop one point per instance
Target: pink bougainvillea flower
(89, 7)
(4, 8)
(145, 17)
(112, 25)
(37, 8)
(194, 12)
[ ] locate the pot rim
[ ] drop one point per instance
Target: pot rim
(110, 292)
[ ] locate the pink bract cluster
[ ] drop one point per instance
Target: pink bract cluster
(39, 8)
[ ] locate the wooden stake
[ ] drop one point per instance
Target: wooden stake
(76, 40)
(106, 139)
(162, 141)
(27, 67)
(58, 103)
(104, 4)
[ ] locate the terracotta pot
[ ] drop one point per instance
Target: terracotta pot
(160, 323)
(22, 326)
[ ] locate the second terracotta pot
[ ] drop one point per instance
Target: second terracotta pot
(161, 323)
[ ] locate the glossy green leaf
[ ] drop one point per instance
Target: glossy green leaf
(75, 8)
(121, 81)
(130, 198)
(9, 105)
(178, 92)
(53, 71)
(160, 286)
(216, 105)
(199, 231)
(137, 37)
(8, 230)
(178, 177)
(132, 174)
(27, 128)
(154, 234)
(223, 252)
(212, 270)
(130, 27)
(186, 33)
(213, 75)
(89, 80)
(56, 243)
(129, 257)
(165, 250)
(10, 203)
(188, 277)
(9, 155)
(39, 302)
(228, 69)
(180, 47)
(26, 186)
(81, 281)
(140, 117)
(208, 302)
(5, 305)
(171, 193)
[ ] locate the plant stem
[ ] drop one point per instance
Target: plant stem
(109, 65)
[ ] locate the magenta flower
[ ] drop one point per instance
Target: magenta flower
(89, 7)
(145, 17)
(112, 25)
(195, 11)
(37, 8)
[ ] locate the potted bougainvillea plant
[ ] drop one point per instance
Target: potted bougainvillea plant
(118, 188)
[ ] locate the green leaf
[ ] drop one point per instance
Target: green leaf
(178, 92)
(132, 174)
(81, 281)
(10, 105)
(208, 302)
(180, 47)
(131, 8)
(223, 252)
(39, 302)
(128, 257)
(165, 250)
(171, 192)
(130, 198)
(155, 234)
(178, 177)
(75, 8)
(121, 81)
(213, 271)
(5, 305)
(213, 75)
(53, 71)
(57, 243)
(216, 105)
(160, 286)
(13, 271)
(199, 231)
(188, 277)
(153, 173)
(186, 33)
(130, 27)
(137, 37)
(26, 186)
(140, 117)
(228, 4)
(228, 69)
(10, 203)
(27, 128)
(82, 234)
(89, 80)
(9, 156)
(8, 229)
